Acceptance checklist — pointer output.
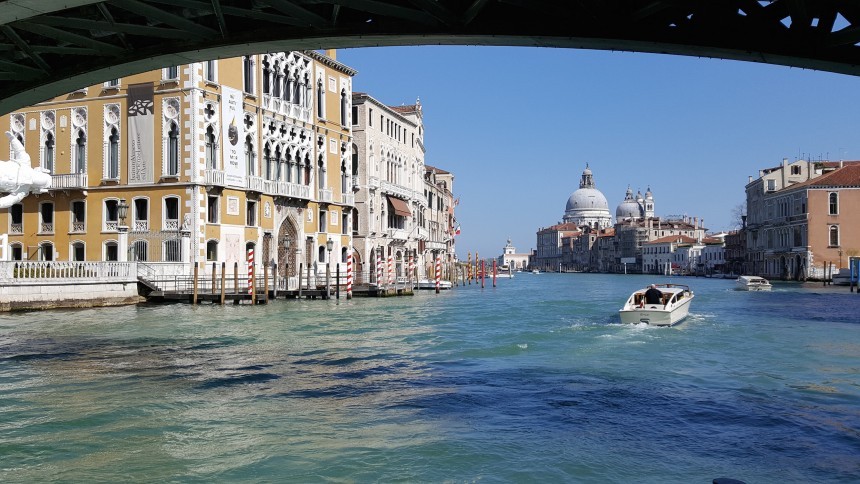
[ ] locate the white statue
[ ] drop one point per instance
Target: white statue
(18, 178)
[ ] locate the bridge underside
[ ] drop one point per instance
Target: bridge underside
(51, 47)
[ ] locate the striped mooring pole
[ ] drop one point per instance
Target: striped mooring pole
(378, 269)
(390, 270)
(349, 275)
(438, 272)
(250, 270)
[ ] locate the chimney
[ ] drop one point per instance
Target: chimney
(750, 179)
(841, 163)
(331, 54)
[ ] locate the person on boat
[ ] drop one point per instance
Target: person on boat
(653, 295)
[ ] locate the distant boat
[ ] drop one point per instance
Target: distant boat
(428, 284)
(535, 271)
(674, 307)
(753, 283)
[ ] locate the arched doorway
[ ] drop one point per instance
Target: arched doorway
(288, 246)
(357, 268)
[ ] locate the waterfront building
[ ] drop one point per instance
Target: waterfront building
(404, 208)
(437, 225)
(735, 252)
(713, 256)
(635, 208)
(798, 218)
(210, 158)
(512, 259)
(548, 254)
(665, 255)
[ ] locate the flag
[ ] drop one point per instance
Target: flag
(457, 230)
(457, 201)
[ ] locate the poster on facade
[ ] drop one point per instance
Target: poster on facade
(141, 118)
(232, 144)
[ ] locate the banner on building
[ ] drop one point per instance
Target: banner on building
(232, 137)
(141, 119)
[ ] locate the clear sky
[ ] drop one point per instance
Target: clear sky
(517, 125)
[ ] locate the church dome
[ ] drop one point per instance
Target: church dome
(628, 208)
(587, 206)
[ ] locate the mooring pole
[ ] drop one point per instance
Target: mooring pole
(494, 272)
(194, 283)
(223, 270)
(337, 281)
(266, 283)
(301, 267)
(214, 275)
(236, 278)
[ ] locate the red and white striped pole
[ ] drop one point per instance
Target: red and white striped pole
(349, 275)
(378, 269)
(438, 273)
(251, 270)
(390, 270)
(411, 267)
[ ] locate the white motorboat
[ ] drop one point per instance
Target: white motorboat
(430, 284)
(753, 283)
(535, 271)
(674, 306)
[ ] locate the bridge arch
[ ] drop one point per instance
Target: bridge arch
(57, 47)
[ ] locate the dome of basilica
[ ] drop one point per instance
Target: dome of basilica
(587, 198)
(588, 206)
(629, 208)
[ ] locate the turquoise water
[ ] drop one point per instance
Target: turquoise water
(533, 381)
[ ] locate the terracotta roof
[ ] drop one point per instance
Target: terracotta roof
(674, 239)
(847, 176)
(436, 169)
(404, 109)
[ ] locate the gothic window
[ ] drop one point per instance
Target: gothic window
(833, 198)
(250, 156)
(276, 88)
(48, 153)
(173, 150)
(267, 160)
(113, 155)
(81, 152)
(834, 236)
(344, 108)
(211, 158)
(248, 74)
(321, 172)
(251, 214)
(279, 165)
(267, 76)
(320, 99)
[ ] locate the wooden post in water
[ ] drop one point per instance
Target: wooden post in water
(214, 275)
(300, 278)
(266, 283)
(194, 283)
(253, 287)
(494, 272)
(467, 273)
(275, 280)
(236, 278)
(223, 289)
(337, 281)
(483, 273)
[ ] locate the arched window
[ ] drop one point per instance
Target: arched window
(212, 250)
(211, 159)
(81, 152)
(48, 153)
(834, 203)
(173, 150)
(248, 74)
(113, 155)
(140, 251)
(834, 236)
(171, 214)
(321, 172)
(267, 76)
(78, 251)
(46, 251)
(267, 161)
(276, 88)
(140, 215)
(46, 216)
(279, 165)
(17, 251)
(343, 252)
(320, 99)
(250, 157)
(344, 108)
(172, 251)
(111, 251)
(321, 254)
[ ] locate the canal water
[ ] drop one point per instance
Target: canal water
(533, 381)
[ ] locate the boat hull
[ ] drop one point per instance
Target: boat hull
(656, 315)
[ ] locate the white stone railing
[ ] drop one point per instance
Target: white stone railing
(78, 227)
(34, 272)
(215, 178)
(171, 224)
(288, 189)
(325, 195)
(256, 184)
(46, 228)
(16, 228)
(348, 199)
(111, 226)
(397, 234)
(372, 182)
(74, 180)
(141, 226)
(397, 190)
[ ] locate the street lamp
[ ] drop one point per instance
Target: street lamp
(122, 228)
(329, 245)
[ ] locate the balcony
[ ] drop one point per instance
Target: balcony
(170, 224)
(65, 182)
(396, 234)
(46, 228)
(356, 184)
(214, 178)
(79, 227)
(372, 182)
(256, 184)
(289, 189)
(397, 190)
(435, 245)
(16, 229)
(325, 195)
(348, 199)
(140, 226)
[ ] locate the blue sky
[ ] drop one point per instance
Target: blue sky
(517, 125)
